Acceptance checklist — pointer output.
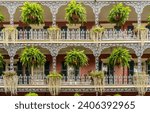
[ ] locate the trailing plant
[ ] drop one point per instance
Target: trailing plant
(1, 18)
(120, 57)
(97, 29)
(32, 13)
(98, 78)
(77, 94)
(76, 58)
(10, 81)
(1, 61)
(53, 28)
(75, 13)
(32, 57)
(140, 80)
(31, 94)
(54, 82)
(117, 94)
(119, 14)
(140, 28)
(9, 30)
(148, 19)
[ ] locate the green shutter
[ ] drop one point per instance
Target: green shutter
(76, 71)
(2, 69)
(131, 68)
(110, 71)
(64, 28)
(148, 68)
(64, 69)
(100, 65)
(19, 68)
(47, 68)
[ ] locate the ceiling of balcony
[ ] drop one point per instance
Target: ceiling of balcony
(64, 50)
(90, 15)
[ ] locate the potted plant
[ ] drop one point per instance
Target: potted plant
(141, 32)
(119, 59)
(119, 14)
(75, 13)
(117, 94)
(97, 31)
(77, 94)
(31, 94)
(10, 81)
(1, 19)
(140, 81)
(32, 13)
(54, 32)
(75, 59)
(32, 57)
(98, 79)
(54, 82)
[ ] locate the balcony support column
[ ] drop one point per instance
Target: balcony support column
(12, 63)
(54, 62)
(139, 64)
(97, 62)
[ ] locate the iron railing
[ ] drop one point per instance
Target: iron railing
(77, 80)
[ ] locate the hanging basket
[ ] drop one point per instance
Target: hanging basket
(99, 80)
(75, 18)
(141, 83)
(10, 82)
(54, 82)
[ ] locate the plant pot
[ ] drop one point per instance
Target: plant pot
(73, 26)
(117, 18)
(35, 26)
(75, 18)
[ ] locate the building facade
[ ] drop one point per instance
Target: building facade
(55, 46)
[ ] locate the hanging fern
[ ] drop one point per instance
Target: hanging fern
(119, 56)
(32, 57)
(1, 18)
(75, 12)
(119, 14)
(32, 13)
(76, 58)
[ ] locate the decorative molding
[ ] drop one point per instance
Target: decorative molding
(54, 6)
(96, 7)
(88, 90)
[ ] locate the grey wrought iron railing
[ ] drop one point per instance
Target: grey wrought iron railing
(76, 35)
(1, 35)
(77, 80)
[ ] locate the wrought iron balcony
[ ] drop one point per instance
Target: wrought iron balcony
(81, 36)
(41, 80)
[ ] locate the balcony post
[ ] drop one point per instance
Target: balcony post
(139, 64)
(54, 62)
(12, 63)
(97, 62)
